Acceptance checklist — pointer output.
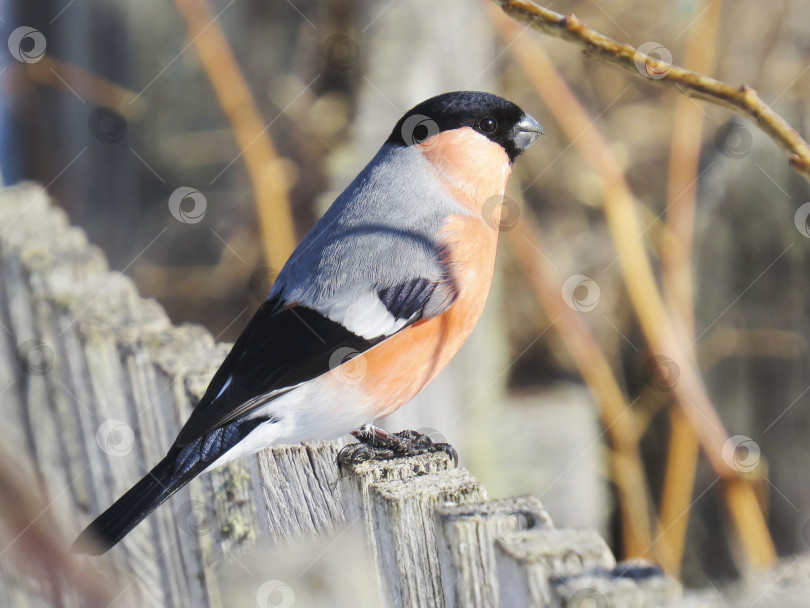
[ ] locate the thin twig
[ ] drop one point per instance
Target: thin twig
(742, 100)
(93, 88)
(269, 183)
(679, 483)
(682, 183)
(683, 448)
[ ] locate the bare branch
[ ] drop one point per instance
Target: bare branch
(256, 148)
(743, 100)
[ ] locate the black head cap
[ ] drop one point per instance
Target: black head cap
(494, 117)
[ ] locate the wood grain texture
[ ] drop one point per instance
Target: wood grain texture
(527, 565)
(300, 490)
(626, 586)
(397, 500)
(466, 537)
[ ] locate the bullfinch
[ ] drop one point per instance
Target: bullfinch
(370, 307)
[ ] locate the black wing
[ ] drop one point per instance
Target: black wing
(281, 347)
(285, 345)
(418, 298)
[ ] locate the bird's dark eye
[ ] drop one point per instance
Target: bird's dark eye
(488, 124)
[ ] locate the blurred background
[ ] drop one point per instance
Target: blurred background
(197, 141)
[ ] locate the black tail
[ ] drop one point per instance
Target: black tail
(181, 465)
(131, 509)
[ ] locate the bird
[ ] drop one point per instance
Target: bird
(373, 303)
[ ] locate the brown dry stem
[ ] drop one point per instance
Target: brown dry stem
(676, 269)
(270, 188)
(743, 99)
(52, 72)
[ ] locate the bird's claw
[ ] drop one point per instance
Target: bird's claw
(420, 443)
(379, 445)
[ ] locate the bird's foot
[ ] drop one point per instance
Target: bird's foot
(376, 444)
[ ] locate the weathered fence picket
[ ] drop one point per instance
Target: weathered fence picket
(95, 384)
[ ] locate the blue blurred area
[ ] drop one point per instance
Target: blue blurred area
(9, 157)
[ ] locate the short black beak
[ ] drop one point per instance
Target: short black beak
(528, 130)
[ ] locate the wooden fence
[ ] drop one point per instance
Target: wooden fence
(95, 382)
